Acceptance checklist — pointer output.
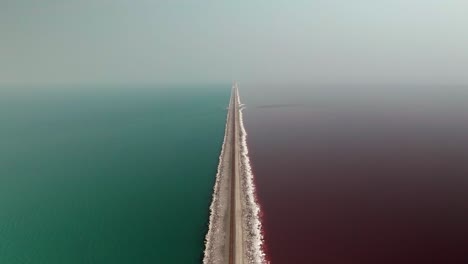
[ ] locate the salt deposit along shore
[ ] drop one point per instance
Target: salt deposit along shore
(234, 234)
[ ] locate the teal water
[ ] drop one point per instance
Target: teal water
(108, 174)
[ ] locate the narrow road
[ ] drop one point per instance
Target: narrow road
(236, 246)
(225, 239)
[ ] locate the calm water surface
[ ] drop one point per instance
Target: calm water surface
(107, 174)
(361, 174)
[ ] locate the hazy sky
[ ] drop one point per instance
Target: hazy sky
(321, 41)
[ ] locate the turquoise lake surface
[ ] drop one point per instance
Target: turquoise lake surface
(108, 174)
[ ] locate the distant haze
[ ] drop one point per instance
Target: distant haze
(164, 41)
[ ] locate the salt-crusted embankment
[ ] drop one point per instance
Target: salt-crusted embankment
(251, 210)
(215, 248)
(243, 243)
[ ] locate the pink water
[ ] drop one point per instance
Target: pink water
(361, 181)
